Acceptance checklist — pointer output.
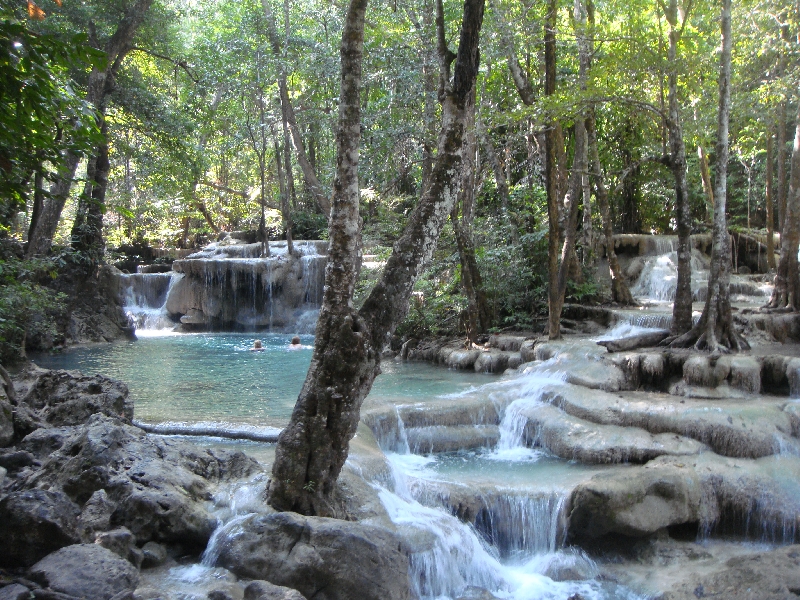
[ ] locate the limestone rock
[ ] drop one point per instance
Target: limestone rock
(86, 571)
(34, 523)
(635, 502)
(493, 361)
(441, 438)
(96, 514)
(122, 543)
(153, 555)
(15, 591)
(768, 575)
(158, 486)
(462, 359)
(63, 398)
(573, 438)
(327, 559)
(264, 590)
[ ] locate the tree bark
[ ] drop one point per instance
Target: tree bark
(705, 176)
(313, 448)
(100, 85)
(551, 175)
(87, 229)
(290, 120)
(780, 173)
(787, 286)
(499, 175)
(478, 315)
(714, 331)
(769, 194)
(619, 289)
(682, 307)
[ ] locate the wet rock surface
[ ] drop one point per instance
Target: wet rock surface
(322, 558)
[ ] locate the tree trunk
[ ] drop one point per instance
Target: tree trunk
(87, 229)
(705, 176)
(768, 201)
(313, 448)
(478, 315)
(100, 85)
(499, 175)
(780, 173)
(714, 332)
(787, 286)
(619, 289)
(551, 175)
(288, 114)
(682, 307)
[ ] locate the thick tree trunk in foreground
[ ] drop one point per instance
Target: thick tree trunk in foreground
(787, 283)
(714, 332)
(769, 198)
(87, 229)
(101, 83)
(682, 308)
(619, 289)
(313, 448)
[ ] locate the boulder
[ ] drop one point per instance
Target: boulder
(264, 590)
(34, 523)
(742, 372)
(15, 591)
(635, 502)
(156, 487)
(492, 361)
(64, 398)
(697, 371)
(86, 571)
(153, 555)
(122, 543)
(326, 559)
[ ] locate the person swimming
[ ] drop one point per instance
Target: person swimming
(257, 346)
(295, 345)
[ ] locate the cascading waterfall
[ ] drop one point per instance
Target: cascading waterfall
(231, 286)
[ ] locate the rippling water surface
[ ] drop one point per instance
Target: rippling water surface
(215, 377)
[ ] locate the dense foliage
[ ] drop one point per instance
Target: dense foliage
(198, 138)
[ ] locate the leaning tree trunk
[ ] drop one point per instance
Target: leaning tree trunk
(715, 332)
(313, 447)
(619, 289)
(787, 287)
(682, 308)
(551, 176)
(100, 85)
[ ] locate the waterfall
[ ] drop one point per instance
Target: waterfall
(143, 296)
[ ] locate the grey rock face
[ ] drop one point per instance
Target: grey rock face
(63, 398)
(6, 423)
(86, 571)
(34, 523)
(326, 559)
(155, 487)
(264, 590)
(15, 591)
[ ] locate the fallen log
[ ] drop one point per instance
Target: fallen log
(643, 340)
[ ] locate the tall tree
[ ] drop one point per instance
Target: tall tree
(769, 201)
(313, 447)
(100, 85)
(682, 307)
(786, 293)
(714, 331)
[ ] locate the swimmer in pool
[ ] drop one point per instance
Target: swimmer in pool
(257, 347)
(295, 345)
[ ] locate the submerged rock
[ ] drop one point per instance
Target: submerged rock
(327, 559)
(264, 590)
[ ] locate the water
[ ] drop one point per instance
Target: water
(199, 378)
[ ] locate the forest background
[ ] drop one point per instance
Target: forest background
(135, 123)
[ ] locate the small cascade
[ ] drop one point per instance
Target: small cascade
(659, 278)
(143, 296)
(524, 525)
